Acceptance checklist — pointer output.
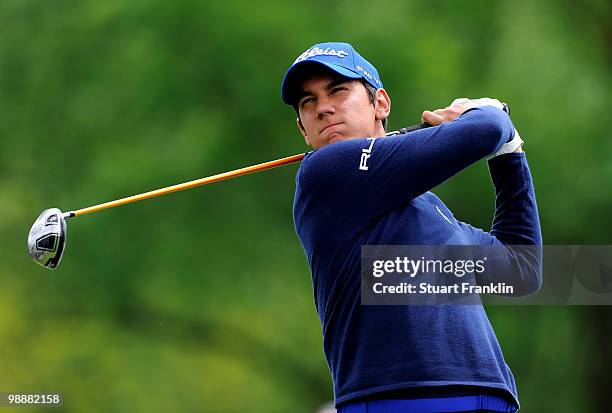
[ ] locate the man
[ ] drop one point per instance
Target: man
(400, 358)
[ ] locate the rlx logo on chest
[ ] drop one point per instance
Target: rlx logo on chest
(365, 155)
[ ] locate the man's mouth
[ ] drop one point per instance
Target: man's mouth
(329, 126)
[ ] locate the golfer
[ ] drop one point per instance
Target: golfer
(354, 190)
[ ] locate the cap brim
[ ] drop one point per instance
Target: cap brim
(297, 73)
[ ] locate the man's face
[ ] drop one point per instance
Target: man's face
(334, 109)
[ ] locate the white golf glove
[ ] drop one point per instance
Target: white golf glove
(476, 103)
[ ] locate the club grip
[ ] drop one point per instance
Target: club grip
(414, 128)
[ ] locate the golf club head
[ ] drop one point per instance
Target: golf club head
(47, 238)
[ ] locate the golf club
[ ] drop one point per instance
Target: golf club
(47, 237)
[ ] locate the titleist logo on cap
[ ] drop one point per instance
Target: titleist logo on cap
(315, 51)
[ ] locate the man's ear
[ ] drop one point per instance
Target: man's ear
(382, 104)
(302, 131)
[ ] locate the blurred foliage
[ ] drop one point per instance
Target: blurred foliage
(202, 301)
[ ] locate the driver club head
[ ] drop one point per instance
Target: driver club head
(47, 238)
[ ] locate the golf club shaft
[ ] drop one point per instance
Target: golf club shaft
(187, 185)
(214, 178)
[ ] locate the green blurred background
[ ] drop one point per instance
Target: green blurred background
(201, 301)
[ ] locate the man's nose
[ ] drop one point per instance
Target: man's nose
(324, 106)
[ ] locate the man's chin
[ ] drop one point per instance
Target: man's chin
(337, 137)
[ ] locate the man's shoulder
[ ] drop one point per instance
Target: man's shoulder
(324, 163)
(336, 156)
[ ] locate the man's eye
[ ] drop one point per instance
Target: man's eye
(338, 89)
(305, 101)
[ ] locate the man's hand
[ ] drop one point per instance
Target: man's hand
(456, 108)
(447, 114)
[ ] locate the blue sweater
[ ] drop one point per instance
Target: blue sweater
(344, 201)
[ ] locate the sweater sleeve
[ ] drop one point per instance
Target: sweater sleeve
(515, 233)
(359, 179)
(516, 219)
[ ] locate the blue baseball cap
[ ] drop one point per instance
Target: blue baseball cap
(341, 58)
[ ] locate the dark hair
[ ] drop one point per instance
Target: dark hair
(371, 95)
